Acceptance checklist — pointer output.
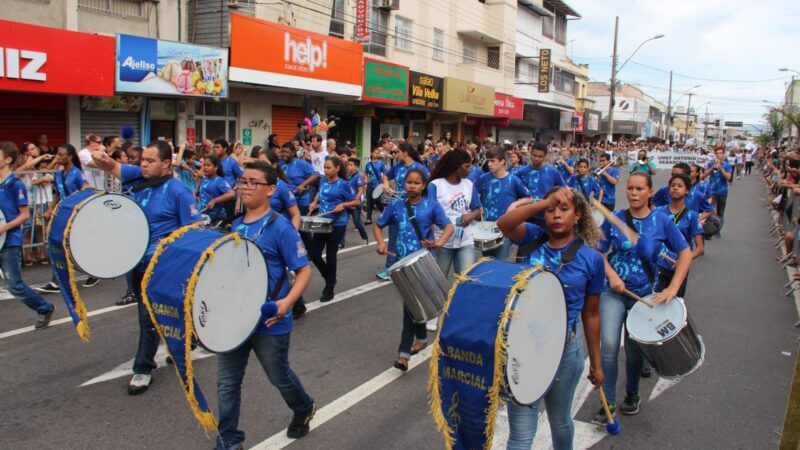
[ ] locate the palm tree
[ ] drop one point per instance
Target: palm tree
(777, 123)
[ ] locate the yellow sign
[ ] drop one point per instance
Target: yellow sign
(544, 70)
(468, 97)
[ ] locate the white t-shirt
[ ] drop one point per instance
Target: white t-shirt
(318, 160)
(731, 160)
(701, 159)
(456, 200)
(748, 156)
(95, 177)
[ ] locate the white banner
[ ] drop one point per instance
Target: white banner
(665, 160)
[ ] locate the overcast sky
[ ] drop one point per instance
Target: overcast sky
(704, 39)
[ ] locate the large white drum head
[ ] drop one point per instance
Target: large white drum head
(109, 236)
(377, 192)
(537, 333)
(227, 299)
(656, 324)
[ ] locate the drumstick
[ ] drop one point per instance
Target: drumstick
(637, 298)
(621, 226)
(325, 214)
(667, 257)
(391, 254)
(613, 427)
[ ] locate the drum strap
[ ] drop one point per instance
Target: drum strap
(413, 218)
(154, 182)
(524, 252)
(277, 289)
(648, 269)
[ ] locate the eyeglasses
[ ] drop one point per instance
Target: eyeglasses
(250, 183)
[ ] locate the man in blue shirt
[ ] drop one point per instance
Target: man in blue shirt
(719, 173)
(231, 172)
(14, 205)
(538, 177)
(608, 182)
(168, 205)
(283, 249)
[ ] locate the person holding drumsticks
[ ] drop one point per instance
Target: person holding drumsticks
(373, 174)
(630, 272)
(564, 246)
(335, 195)
(302, 178)
(608, 182)
(214, 191)
(585, 183)
(283, 249)
(414, 231)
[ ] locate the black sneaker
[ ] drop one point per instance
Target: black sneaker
(600, 418)
(126, 300)
(44, 319)
(631, 404)
(91, 282)
(298, 310)
(49, 288)
(300, 425)
(327, 294)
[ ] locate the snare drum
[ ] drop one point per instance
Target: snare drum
(314, 224)
(91, 225)
(487, 236)
(228, 288)
(421, 284)
(382, 197)
(667, 337)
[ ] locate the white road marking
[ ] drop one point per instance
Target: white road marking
(345, 402)
(5, 295)
(661, 386)
(67, 319)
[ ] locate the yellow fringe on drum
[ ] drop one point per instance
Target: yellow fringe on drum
(82, 326)
(206, 419)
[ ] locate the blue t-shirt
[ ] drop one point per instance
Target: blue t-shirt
(282, 199)
(298, 171)
(717, 183)
(331, 194)
(584, 275)
(515, 170)
(167, 207)
(427, 212)
(563, 170)
(539, 181)
(474, 173)
(688, 225)
(609, 190)
(374, 170)
(654, 231)
(692, 201)
(231, 170)
(13, 195)
(587, 186)
(282, 248)
(187, 178)
(69, 182)
(498, 193)
(356, 181)
(702, 190)
(398, 173)
(211, 188)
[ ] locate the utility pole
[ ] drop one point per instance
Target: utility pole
(669, 110)
(705, 128)
(611, 99)
(688, 107)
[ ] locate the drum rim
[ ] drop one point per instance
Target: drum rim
(83, 203)
(397, 265)
(684, 322)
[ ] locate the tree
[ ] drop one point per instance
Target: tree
(777, 123)
(763, 139)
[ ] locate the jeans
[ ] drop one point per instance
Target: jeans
(523, 420)
(330, 243)
(412, 333)
(355, 213)
(500, 253)
(371, 203)
(145, 362)
(273, 354)
(390, 259)
(11, 263)
(614, 309)
(720, 201)
(129, 281)
(461, 258)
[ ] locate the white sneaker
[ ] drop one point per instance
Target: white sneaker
(432, 324)
(139, 383)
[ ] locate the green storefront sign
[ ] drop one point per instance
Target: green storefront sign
(385, 83)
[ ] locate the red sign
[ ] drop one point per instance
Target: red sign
(362, 20)
(42, 59)
(507, 106)
(190, 138)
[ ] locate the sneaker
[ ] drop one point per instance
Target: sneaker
(600, 417)
(91, 282)
(44, 319)
(126, 300)
(384, 275)
(139, 383)
(368, 222)
(49, 288)
(365, 242)
(631, 404)
(327, 294)
(300, 425)
(298, 310)
(432, 324)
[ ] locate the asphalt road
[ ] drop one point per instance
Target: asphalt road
(343, 351)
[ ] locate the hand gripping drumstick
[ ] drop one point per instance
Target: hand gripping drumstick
(637, 298)
(667, 257)
(613, 427)
(621, 226)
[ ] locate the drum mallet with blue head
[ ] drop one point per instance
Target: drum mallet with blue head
(613, 427)
(269, 309)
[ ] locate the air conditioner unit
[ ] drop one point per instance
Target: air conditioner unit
(388, 4)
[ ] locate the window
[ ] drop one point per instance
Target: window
(129, 8)
(547, 22)
(337, 20)
(438, 44)
(215, 120)
(469, 51)
(402, 34)
(378, 21)
(493, 60)
(561, 29)
(564, 82)
(527, 73)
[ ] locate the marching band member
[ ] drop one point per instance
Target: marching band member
(231, 170)
(516, 163)
(698, 204)
(357, 183)
(283, 200)
(565, 247)
(719, 172)
(214, 191)
(565, 164)
(643, 164)
(585, 183)
(335, 195)
(608, 182)
(168, 205)
(302, 178)
(630, 266)
(414, 231)
(283, 249)
(538, 177)
(374, 174)
(498, 190)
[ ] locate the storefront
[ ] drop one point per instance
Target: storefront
(107, 115)
(386, 84)
(506, 109)
(474, 100)
(44, 90)
(571, 126)
(538, 124)
(591, 124)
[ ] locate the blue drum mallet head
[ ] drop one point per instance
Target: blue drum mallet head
(613, 428)
(269, 309)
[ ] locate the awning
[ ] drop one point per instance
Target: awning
(535, 8)
(563, 8)
(481, 36)
(549, 105)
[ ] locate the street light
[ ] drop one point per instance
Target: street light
(614, 71)
(784, 69)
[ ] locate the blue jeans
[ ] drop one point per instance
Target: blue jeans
(613, 312)
(412, 333)
(273, 354)
(390, 260)
(145, 361)
(523, 420)
(11, 263)
(355, 213)
(500, 253)
(461, 258)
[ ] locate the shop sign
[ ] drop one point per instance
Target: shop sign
(508, 106)
(363, 111)
(571, 121)
(468, 97)
(190, 137)
(362, 20)
(154, 66)
(50, 60)
(294, 58)
(247, 136)
(385, 83)
(425, 91)
(544, 70)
